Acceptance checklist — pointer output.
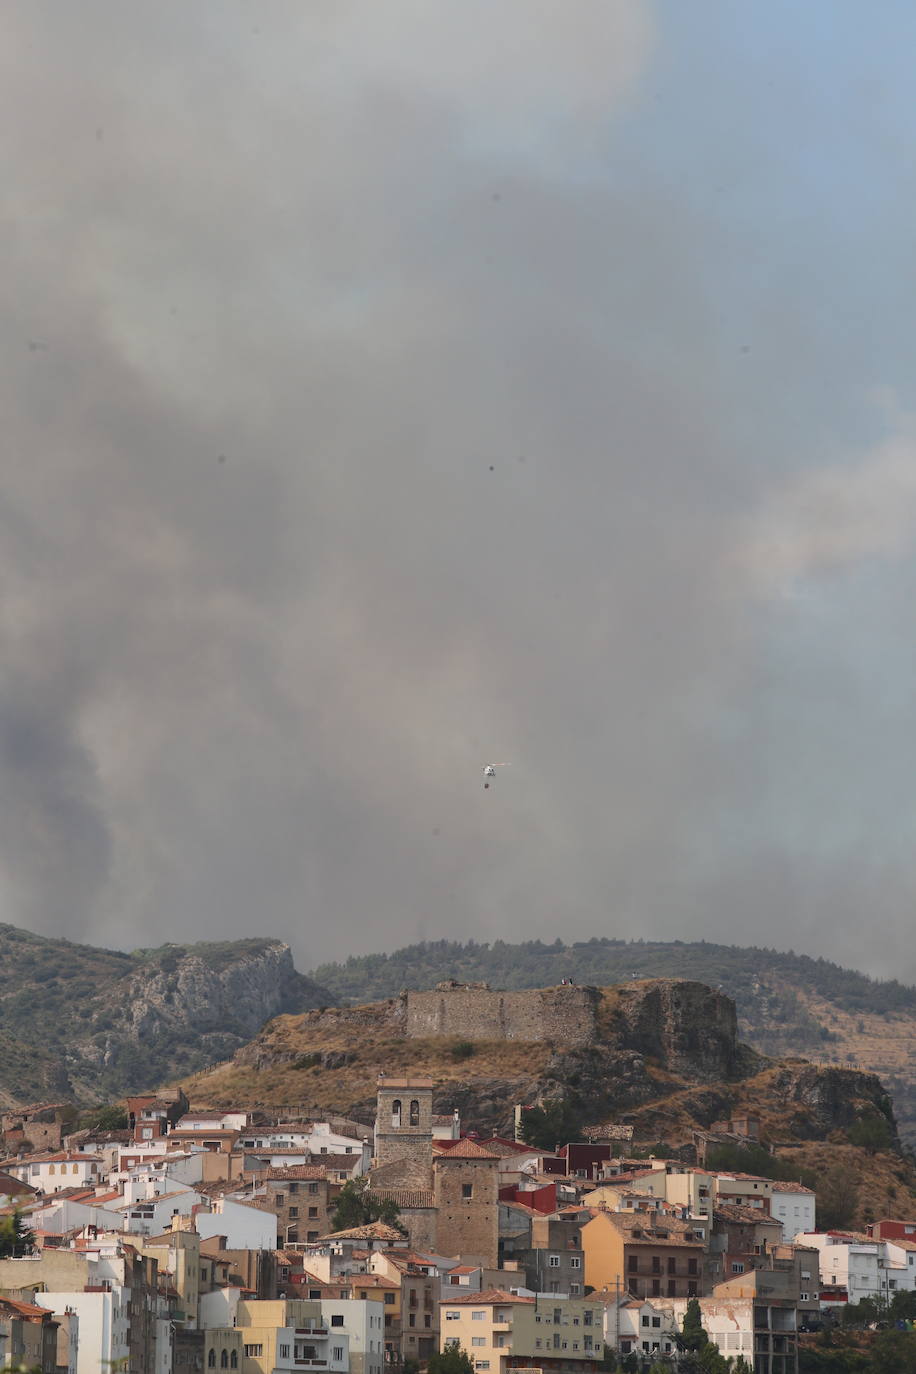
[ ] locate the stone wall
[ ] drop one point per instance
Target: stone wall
(567, 1015)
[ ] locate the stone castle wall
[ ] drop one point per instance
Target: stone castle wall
(567, 1015)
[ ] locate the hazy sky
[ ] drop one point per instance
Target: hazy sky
(394, 386)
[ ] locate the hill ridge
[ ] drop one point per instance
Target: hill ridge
(787, 1003)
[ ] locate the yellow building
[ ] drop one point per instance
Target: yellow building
(177, 1253)
(694, 1189)
(648, 1254)
(649, 1182)
(502, 1331)
(223, 1348)
(682, 1185)
(288, 1334)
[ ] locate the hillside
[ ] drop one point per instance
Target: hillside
(663, 1056)
(91, 1024)
(788, 1004)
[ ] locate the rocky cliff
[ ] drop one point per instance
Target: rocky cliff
(686, 1026)
(93, 1024)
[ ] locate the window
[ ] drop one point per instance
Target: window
(482, 1364)
(692, 1265)
(254, 1352)
(672, 1266)
(574, 1290)
(656, 1264)
(337, 1319)
(211, 1359)
(389, 1299)
(338, 1353)
(467, 1191)
(645, 1320)
(478, 1340)
(412, 1321)
(656, 1321)
(575, 1261)
(313, 1212)
(313, 1188)
(656, 1288)
(309, 1236)
(292, 1235)
(396, 1112)
(234, 1360)
(294, 1212)
(427, 1321)
(451, 1316)
(633, 1264)
(557, 1316)
(553, 1261)
(414, 1113)
(477, 1316)
(224, 1359)
(737, 1267)
(284, 1352)
(293, 1188)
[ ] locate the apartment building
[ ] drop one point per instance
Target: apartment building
(794, 1205)
(502, 1331)
(547, 1249)
(288, 1334)
(647, 1254)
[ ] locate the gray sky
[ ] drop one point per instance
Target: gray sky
(389, 388)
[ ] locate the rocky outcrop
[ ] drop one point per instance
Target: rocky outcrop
(95, 1024)
(186, 991)
(687, 1027)
(821, 1100)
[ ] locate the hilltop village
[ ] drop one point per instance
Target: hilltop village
(239, 1239)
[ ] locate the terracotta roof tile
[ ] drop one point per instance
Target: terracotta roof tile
(490, 1297)
(462, 1149)
(376, 1230)
(405, 1197)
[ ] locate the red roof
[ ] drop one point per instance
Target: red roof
(25, 1309)
(463, 1149)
